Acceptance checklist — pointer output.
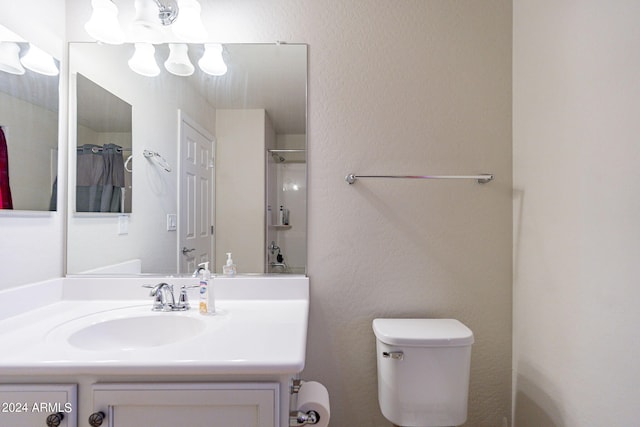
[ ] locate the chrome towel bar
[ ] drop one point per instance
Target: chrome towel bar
(482, 179)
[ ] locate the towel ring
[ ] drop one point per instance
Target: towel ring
(157, 158)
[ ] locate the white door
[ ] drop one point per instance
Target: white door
(196, 200)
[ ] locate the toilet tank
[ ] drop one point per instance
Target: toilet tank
(423, 371)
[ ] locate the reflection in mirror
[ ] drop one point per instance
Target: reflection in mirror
(28, 128)
(245, 131)
(103, 174)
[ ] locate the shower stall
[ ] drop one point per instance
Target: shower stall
(286, 218)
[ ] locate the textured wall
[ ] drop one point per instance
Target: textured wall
(576, 211)
(417, 87)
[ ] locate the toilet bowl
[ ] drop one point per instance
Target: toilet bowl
(423, 371)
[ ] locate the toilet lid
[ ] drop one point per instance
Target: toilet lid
(423, 332)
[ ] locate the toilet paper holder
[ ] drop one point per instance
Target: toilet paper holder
(300, 418)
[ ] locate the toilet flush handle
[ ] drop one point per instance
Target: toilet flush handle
(396, 355)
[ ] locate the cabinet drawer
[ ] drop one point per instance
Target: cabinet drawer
(29, 405)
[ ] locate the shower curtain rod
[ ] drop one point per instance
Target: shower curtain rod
(482, 179)
(100, 149)
(289, 150)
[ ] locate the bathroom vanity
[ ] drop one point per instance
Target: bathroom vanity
(90, 347)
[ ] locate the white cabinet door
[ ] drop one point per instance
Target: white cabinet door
(188, 404)
(29, 405)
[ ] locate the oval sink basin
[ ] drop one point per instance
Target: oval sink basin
(129, 333)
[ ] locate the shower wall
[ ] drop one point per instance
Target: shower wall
(292, 194)
(287, 187)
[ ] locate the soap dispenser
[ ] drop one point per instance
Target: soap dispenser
(207, 298)
(230, 268)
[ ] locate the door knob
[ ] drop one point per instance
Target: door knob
(96, 419)
(54, 420)
(186, 251)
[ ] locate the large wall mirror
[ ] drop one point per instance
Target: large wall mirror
(215, 163)
(28, 126)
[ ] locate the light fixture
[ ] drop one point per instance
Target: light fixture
(103, 24)
(143, 60)
(39, 61)
(10, 58)
(189, 26)
(148, 25)
(178, 62)
(150, 19)
(212, 61)
(153, 19)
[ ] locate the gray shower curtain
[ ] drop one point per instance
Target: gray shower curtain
(100, 178)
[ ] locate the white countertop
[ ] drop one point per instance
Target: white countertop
(260, 329)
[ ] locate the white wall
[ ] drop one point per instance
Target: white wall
(395, 87)
(29, 145)
(240, 194)
(31, 244)
(576, 213)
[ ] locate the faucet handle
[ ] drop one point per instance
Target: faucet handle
(183, 299)
(163, 296)
(149, 287)
(158, 287)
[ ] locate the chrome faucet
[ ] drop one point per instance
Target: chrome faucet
(273, 247)
(163, 299)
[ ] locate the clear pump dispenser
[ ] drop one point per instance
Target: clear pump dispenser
(230, 268)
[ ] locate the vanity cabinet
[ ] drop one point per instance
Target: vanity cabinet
(141, 404)
(192, 404)
(35, 405)
(236, 373)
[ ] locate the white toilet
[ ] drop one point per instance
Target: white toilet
(423, 371)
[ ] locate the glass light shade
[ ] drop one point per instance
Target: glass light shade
(39, 61)
(212, 61)
(10, 58)
(103, 24)
(178, 62)
(146, 26)
(143, 60)
(188, 26)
